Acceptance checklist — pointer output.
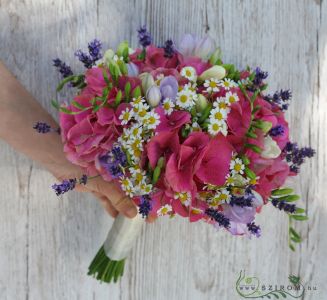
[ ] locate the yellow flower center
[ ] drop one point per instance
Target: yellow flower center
(237, 167)
(142, 113)
(222, 105)
(218, 115)
(212, 84)
(152, 120)
(188, 73)
(232, 99)
(166, 105)
(183, 98)
(215, 127)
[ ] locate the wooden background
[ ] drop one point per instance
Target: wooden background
(47, 242)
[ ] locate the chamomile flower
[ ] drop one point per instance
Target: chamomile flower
(164, 210)
(218, 114)
(223, 196)
(237, 166)
(135, 131)
(212, 85)
(189, 73)
(135, 147)
(222, 104)
(139, 177)
(227, 84)
(168, 106)
(185, 98)
(125, 116)
(185, 198)
(196, 126)
(145, 189)
(215, 127)
(152, 120)
(230, 180)
(141, 111)
(126, 185)
(231, 97)
(137, 101)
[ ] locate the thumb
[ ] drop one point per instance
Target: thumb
(118, 199)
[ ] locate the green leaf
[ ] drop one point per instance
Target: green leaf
(122, 49)
(156, 175)
(78, 105)
(282, 192)
(300, 210)
(256, 108)
(55, 104)
(295, 235)
(137, 92)
(64, 82)
(69, 112)
(118, 98)
(245, 160)
(249, 173)
(254, 96)
(114, 71)
(105, 76)
(291, 247)
(299, 217)
(254, 148)
(127, 91)
(289, 198)
(205, 113)
(252, 135)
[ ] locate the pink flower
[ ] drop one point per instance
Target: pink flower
(265, 112)
(88, 135)
(172, 122)
(95, 81)
(215, 162)
(182, 166)
(196, 62)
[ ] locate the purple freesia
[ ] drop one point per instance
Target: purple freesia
(190, 45)
(169, 87)
(132, 69)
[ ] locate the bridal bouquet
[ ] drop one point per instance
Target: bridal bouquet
(181, 133)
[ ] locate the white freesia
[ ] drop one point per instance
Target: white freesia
(153, 96)
(217, 72)
(147, 81)
(270, 148)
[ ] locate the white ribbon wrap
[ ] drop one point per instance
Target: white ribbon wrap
(122, 236)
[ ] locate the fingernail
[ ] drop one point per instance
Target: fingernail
(131, 212)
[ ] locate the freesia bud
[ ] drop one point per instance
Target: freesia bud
(217, 72)
(201, 103)
(108, 55)
(132, 69)
(215, 57)
(147, 81)
(153, 96)
(270, 148)
(205, 47)
(187, 44)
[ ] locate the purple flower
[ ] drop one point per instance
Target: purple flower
(65, 186)
(94, 49)
(218, 217)
(254, 229)
(42, 127)
(239, 214)
(132, 69)
(259, 77)
(83, 179)
(277, 130)
(282, 205)
(169, 48)
(114, 161)
(145, 206)
(84, 58)
(169, 87)
(89, 59)
(63, 69)
(144, 36)
(280, 98)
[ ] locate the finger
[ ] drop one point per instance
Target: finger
(107, 205)
(119, 201)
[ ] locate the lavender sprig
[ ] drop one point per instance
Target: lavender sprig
(42, 127)
(144, 36)
(169, 48)
(89, 59)
(68, 185)
(254, 229)
(114, 161)
(62, 67)
(283, 205)
(218, 217)
(145, 206)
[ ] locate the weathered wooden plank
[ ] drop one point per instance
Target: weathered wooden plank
(56, 239)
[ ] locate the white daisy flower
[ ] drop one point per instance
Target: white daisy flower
(137, 101)
(230, 180)
(185, 98)
(231, 97)
(185, 198)
(164, 210)
(126, 185)
(145, 189)
(212, 85)
(135, 131)
(141, 111)
(218, 114)
(215, 127)
(227, 84)
(125, 116)
(152, 120)
(189, 73)
(222, 103)
(237, 166)
(168, 106)
(223, 196)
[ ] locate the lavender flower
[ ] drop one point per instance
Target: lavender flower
(280, 98)
(94, 49)
(83, 179)
(65, 186)
(169, 48)
(63, 69)
(84, 58)
(254, 229)
(144, 36)
(42, 127)
(282, 205)
(114, 161)
(259, 77)
(244, 200)
(218, 217)
(145, 206)
(89, 60)
(277, 130)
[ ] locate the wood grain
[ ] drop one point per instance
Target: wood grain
(47, 243)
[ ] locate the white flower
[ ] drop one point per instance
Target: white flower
(141, 111)
(270, 148)
(231, 97)
(185, 98)
(221, 196)
(230, 180)
(137, 102)
(126, 115)
(127, 185)
(237, 166)
(215, 127)
(164, 210)
(153, 96)
(185, 198)
(189, 73)
(168, 106)
(227, 84)
(145, 189)
(218, 115)
(135, 131)
(217, 72)
(212, 85)
(152, 120)
(222, 104)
